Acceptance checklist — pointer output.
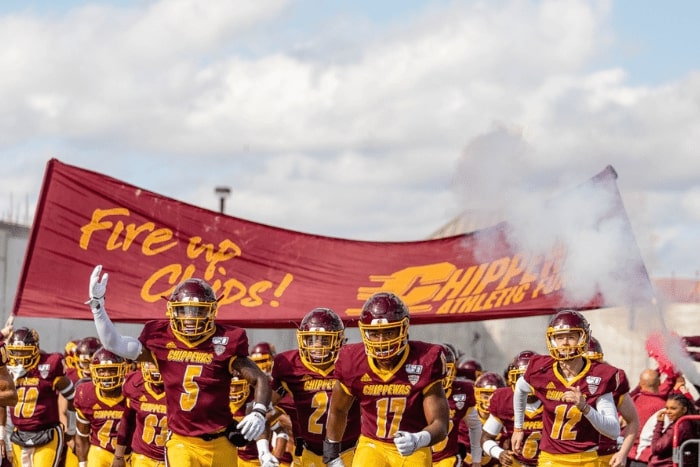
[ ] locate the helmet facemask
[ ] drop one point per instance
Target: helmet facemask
(318, 347)
(191, 320)
(377, 344)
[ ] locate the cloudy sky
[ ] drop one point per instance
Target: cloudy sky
(364, 120)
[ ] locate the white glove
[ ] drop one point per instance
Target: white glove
(407, 443)
(17, 371)
(98, 289)
(253, 424)
(264, 455)
(337, 462)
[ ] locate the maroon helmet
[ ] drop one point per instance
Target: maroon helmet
(320, 336)
(565, 322)
(23, 348)
(595, 350)
(107, 369)
(518, 366)
(69, 355)
(384, 312)
(484, 387)
(468, 368)
(83, 354)
(450, 364)
(192, 309)
(263, 354)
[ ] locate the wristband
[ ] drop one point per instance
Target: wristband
(331, 450)
(82, 464)
(260, 408)
(586, 410)
(118, 458)
(263, 446)
(517, 430)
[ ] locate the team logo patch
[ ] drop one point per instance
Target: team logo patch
(460, 400)
(44, 370)
(593, 383)
(414, 372)
(219, 340)
(219, 349)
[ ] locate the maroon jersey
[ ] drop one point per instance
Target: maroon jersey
(249, 452)
(197, 379)
(459, 397)
(102, 413)
(565, 429)
(608, 445)
(72, 374)
(501, 407)
(391, 400)
(148, 403)
(37, 405)
(311, 390)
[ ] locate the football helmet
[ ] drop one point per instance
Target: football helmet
(451, 361)
(83, 354)
(240, 388)
(69, 355)
(263, 354)
(107, 369)
(484, 387)
(518, 365)
(151, 373)
(23, 348)
(595, 350)
(383, 313)
(564, 322)
(192, 309)
(320, 336)
(468, 368)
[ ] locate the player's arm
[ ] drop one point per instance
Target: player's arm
(631, 418)
(492, 428)
(475, 434)
(522, 389)
(253, 425)
(603, 416)
(65, 387)
(127, 426)
(82, 440)
(340, 404)
(437, 413)
(3, 422)
(125, 346)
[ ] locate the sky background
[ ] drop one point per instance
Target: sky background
(363, 120)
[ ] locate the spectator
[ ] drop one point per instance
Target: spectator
(662, 443)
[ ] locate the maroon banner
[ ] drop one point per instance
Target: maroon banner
(269, 277)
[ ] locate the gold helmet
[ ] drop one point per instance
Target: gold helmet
(23, 348)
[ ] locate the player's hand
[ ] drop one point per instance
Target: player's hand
(268, 460)
(407, 443)
(506, 457)
(98, 289)
(516, 441)
(252, 425)
(17, 371)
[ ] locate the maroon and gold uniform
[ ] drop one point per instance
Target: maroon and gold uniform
(311, 388)
(390, 400)
(103, 414)
(565, 429)
(501, 409)
(146, 404)
(37, 408)
(460, 397)
(196, 376)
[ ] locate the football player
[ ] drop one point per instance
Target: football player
(144, 424)
(499, 425)
(468, 368)
(462, 403)
(100, 404)
(39, 377)
(308, 375)
(613, 452)
(83, 356)
(398, 383)
(576, 393)
(263, 354)
(196, 358)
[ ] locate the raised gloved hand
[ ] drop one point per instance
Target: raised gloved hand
(407, 443)
(17, 371)
(264, 455)
(253, 424)
(98, 289)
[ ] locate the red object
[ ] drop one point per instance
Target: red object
(268, 277)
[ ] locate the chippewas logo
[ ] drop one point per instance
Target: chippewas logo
(189, 356)
(554, 395)
(316, 385)
(386, 390)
